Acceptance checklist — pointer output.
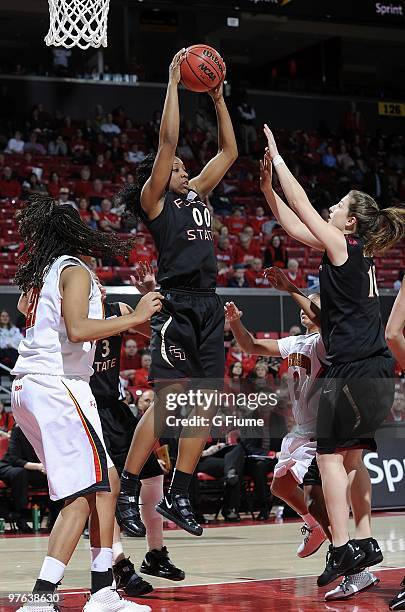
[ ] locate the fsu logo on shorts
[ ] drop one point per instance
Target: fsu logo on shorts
(177, 353)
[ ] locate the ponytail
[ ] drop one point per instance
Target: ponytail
(130, 195)
(380, 229)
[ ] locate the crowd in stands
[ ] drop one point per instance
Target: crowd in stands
(85, 163)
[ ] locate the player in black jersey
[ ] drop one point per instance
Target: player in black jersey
(118, 424)
(358, 390)
(187, 340)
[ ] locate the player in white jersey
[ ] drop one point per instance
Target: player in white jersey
(51, 397)
(298, 448)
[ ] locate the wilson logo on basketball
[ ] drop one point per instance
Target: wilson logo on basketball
(213, 58)
(207, 71)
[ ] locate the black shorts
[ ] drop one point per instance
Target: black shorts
(118, 424)
(356, 399)
(313, 475)
(187, 338)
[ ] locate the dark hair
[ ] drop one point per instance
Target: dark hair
(233, 365)
(380, 229)
(130, 194)
(10, 323)
(50, 230)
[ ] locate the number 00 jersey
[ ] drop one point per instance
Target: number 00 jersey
(46, 348)
(105, 381)
(351, 319)
(183, 238)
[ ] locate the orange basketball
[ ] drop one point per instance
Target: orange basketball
(202, 69)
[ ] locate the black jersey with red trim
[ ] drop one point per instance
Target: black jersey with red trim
(183, 238)
(351, 319)
(105, 381)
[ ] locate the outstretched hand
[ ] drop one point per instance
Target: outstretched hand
(174, 68)
(266, 172)
(271, 143)
(278, 279)
(232, 312)
(144, 278)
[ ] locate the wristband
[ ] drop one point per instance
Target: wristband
(277, 160)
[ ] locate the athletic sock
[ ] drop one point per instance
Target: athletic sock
(309, 520)
(117, 550)
(128, 482)
(180, 482)
(101, 572)
(51, 574)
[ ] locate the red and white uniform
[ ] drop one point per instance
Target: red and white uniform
(305, 354)
(51, 397)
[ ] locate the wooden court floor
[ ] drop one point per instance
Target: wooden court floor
(244, 567)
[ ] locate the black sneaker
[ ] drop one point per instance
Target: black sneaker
(157, 563)
(339, 563)
(398, 603)
(23, 526)
(127, 513)
(176, 507)
(127, 579)
(373, 554)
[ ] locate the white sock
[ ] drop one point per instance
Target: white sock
(52, 570)
(151, 494)
(309, 520)
(101, 559)
(117, 550)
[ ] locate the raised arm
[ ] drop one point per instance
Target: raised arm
(394, 332)
(331, 238)
(280, 281)
(152, 192)
(284, 215)
(248, 343)
(219, 165)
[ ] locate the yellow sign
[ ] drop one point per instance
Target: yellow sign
(391, 109)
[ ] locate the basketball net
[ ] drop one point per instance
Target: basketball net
(81, 23)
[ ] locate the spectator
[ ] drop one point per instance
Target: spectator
(141, 251)
(33, 146)
(294, 274)
(238, 278)
(224, 251)
(33, 185)
(275, 254)
(254, 275)
(10, 337)
(61, 60)
(135, 155)
(344, 160)
(116, 152)
(144, 401)
(84, 211)
(246, 250)
(236, 221)
(235, 354)
(141, 376)
(184, 150)
(329, 159)
(97, 193)
(64, 197)
(258, 220)
(109, 127)
(234, 383)
(375, 182)
(107, 220)
(9, 186)
(54, 185)
(6, 421)
(295, 330)
(223, 273)
(16, 144)
(83, 185)
(102, 169)
(58, 147)
(130, 360)
(260, 378)
(246, 117)
(397, 412)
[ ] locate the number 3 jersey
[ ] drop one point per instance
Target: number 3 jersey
(46, 348)
(105, 381)
(306, 359)
(183, 238)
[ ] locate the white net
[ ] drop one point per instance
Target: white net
(81, 23)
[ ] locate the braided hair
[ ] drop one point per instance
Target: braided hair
(50, 230)
(130, 194)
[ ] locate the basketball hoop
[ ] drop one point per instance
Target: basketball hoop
(81, 23)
